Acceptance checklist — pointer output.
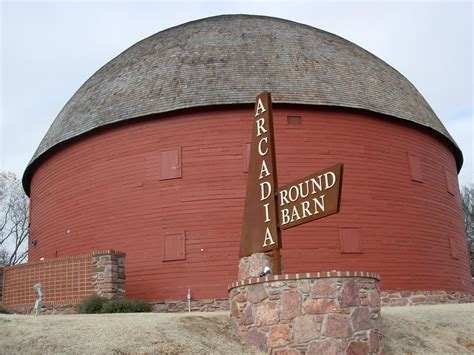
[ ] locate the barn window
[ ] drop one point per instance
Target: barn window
(451, 182)
(453, 246)
(174, 247)
(414, 164)
(171, 164)
(351, 241)
(246, 157)
(293, 120)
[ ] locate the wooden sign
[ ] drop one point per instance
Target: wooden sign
(268, 211)
(310, 198)
(260, 226)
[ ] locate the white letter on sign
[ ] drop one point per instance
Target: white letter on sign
(264, 170)
(260, 151)
(260, 128)
(285, 216)
(268, 237)
(260, 108)
(262, 190)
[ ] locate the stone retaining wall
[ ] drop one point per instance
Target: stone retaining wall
(411, 298)
(207, 305)
(312, 313)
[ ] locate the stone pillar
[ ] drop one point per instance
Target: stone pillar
(252, 266)
(108, 274)
(312, 313)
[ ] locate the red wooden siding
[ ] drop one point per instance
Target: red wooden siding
(105, 189)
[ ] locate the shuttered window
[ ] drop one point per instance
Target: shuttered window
(174, 247)
(246, 157)
(351, 241)
(453, 245)
(171, 164)
(451, 182)
(416, 171)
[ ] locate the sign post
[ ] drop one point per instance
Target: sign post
(260, 232)
(269, 209)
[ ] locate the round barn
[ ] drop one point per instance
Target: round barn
(150, 157)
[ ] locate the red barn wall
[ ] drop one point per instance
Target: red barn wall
(104, 191)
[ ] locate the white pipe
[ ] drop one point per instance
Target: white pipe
(189, 300)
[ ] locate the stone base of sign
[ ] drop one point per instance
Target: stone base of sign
(312, 313)
(412, 298)
(252, 266)
(206, 305)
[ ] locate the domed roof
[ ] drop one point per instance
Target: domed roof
(229, 59)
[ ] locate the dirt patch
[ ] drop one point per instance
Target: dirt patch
(439, 329)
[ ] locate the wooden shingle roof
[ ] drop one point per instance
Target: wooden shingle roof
(229, 59)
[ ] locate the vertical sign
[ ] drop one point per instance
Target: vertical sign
(260, 230)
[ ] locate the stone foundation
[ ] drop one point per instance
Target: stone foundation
(208, 305)
(311, 313)
(412, 298)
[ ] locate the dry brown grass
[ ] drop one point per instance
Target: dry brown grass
(441, 329)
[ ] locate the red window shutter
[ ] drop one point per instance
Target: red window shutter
(174, 247)
(246, 157)
(416, 171)
(293, 120)
(453, 245)
(451, 182)
(171, 164)
(351, 241)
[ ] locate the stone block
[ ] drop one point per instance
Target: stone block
(357, 348)
(361, 319)
(256, 293)
(256, 338)
(279, 335)
(349, 294)
(291, 305)
(336, 326)
(267, 313)
(321, 306)
(325, 346)
(306, 328)
(324, 288)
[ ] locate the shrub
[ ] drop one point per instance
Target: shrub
(126, 306)
(92, 304)
(3, 310)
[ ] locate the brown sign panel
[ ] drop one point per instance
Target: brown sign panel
(312, 197)
(260, 224)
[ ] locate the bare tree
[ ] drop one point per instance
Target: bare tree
(14, 208)
(467, 198)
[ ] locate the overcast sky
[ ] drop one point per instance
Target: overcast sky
(48, 49)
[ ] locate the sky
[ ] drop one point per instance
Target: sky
(49, 49)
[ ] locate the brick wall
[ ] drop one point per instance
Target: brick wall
(66, 281)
